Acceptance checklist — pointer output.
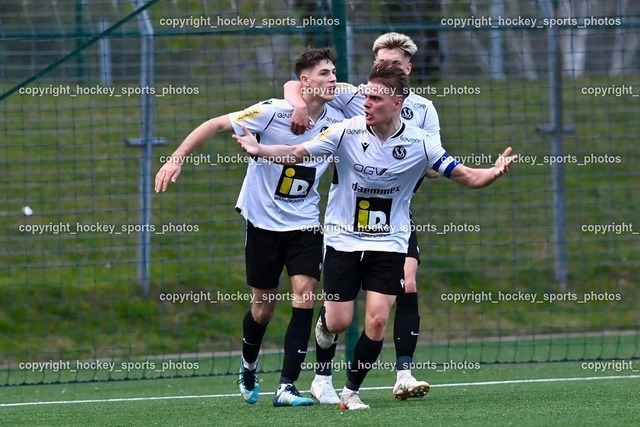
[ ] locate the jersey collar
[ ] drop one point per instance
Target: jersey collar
(321, 116)
(395, 135)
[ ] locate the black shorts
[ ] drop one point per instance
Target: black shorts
(345, 273)
(267, 252)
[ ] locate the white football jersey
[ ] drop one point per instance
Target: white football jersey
(416, 110)
(368, 206)
(276, 197)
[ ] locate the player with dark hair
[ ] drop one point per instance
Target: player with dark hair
(367, 224)
(416, 111)
(280, 205)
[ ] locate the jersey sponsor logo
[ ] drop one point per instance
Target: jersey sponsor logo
(332, 120)
(372, 215)
(369, 170)
(355, 131)
(295, 182)
(248, 114)
(406, 113)
(382, 191)
(284, 115)
(410, 140)
(418, 105)
(399, 152)
(365, 145)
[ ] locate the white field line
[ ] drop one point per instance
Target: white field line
(235, 395)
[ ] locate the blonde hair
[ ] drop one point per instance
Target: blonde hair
(395, 41)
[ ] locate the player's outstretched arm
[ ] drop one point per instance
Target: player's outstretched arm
(293, 95)
(282, 154)
(170, 171)
(479, 178)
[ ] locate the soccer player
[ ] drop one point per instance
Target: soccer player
(280, 205)
(416, 111)
(367, 226)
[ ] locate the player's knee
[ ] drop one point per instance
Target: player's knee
(338, 323)
(303, 291)
(410, 285)
(262, 313)
(376, 323)
(303, 300)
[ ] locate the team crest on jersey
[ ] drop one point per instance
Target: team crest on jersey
(295, 182)
(399, 152)
(365, 145)
(372, 215)
(406, 113)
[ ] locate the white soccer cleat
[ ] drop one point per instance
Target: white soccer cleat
(410, 387)
(351, 400)
(322, 390)
(324, 339)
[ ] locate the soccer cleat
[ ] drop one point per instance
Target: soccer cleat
(324, 338)
(322, 390)
(351, 400)
(288, 395)
(410, 387)
(248, 383)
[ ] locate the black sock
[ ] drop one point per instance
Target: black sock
(296, 340)
(364, 355)
(406, 326)
(252, 332)
(324, 356)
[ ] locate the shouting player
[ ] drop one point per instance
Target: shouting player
(416, 111)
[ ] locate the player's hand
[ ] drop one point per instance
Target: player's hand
(247, 142)
(300, 120)
(504, 161)
(169, 172)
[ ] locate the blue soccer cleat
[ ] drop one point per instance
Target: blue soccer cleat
(249, 385)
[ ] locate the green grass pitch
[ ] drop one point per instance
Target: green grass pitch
(543, 394)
